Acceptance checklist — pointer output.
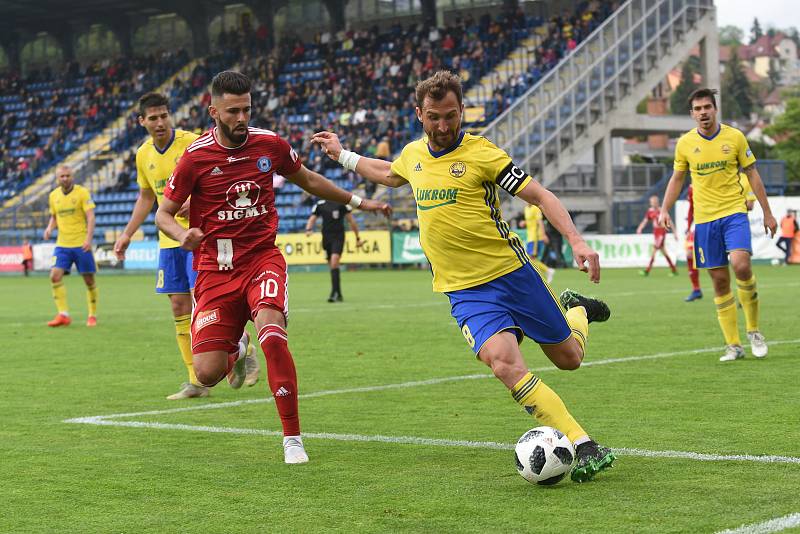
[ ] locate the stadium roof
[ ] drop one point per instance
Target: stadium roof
(45, 14)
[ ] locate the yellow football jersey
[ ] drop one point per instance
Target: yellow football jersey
(154, 167)
(714, 163)
(461, 229)
(533, 220)
(70, 213)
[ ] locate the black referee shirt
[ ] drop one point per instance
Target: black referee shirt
(332, 215)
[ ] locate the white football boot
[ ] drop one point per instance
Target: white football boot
(293, 450)
(758, 345)
(732, 352)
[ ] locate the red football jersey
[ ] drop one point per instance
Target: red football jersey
(233, 201)
(652, 216)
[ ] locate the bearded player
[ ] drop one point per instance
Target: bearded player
(232, 226)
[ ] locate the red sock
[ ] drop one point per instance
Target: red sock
(669, 260)
(281, 376)
(694, 274)
(652, 259)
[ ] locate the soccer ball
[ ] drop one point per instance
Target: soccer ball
(775, 262)
(543, 455)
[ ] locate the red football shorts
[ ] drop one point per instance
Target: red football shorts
(659, 234)
(226, 300)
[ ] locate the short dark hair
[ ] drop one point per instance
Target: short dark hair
(152, 100)
(704, 92)
(437, 87)
(231, 82)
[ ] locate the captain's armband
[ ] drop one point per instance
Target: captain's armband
(510, 178)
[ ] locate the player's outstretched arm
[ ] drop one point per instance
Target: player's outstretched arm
(140, 211)
(674, 187)
(587, 259)
(373, 169)
(757, 185)
(319, 186)
(165, 220)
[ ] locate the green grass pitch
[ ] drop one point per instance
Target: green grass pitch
(431, 453)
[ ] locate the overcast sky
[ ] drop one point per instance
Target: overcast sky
(776, 13)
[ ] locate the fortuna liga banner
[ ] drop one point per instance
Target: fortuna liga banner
(299, 249)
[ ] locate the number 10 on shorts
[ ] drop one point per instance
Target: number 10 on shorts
(269, 288)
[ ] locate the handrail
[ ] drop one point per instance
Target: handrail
(579, 68)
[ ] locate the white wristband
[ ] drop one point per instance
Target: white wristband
(355, 201)
(349, 159)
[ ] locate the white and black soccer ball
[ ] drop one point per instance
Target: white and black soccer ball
(543, 455)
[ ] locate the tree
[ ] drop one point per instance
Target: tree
(737, 95)
(755, 31)
(731, 35)
(786, 132)
(794, 35)
(678, 100)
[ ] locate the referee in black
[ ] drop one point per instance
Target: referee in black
(333, 215)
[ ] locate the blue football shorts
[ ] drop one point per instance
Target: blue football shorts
(713, 240)
(64, 257)
(175, 273)
(520, 301)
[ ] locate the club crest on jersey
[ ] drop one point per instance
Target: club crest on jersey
(725, 149)
(243, 198)
(458, 169)
(243, 194)
(264, 164)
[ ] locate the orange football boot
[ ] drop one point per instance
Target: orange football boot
(91, 321)
(60, 320)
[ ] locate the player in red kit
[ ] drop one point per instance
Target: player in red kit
(694, 275)
(232, 226)
(659, 233)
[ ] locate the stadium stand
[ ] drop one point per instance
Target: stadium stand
(48, 115)
(359, 83)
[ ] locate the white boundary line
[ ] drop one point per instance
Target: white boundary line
(110, 420)
(414, 440)
(773, 525)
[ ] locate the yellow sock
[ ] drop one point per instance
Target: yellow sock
(577, 321)
(182, 328)
(546, 406)
(91, 300)
(60, 296)
(748, 296)
(726, 314)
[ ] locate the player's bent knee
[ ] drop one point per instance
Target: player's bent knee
(210, 367)
(566, 356)
(209, 377)
(569, 362)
